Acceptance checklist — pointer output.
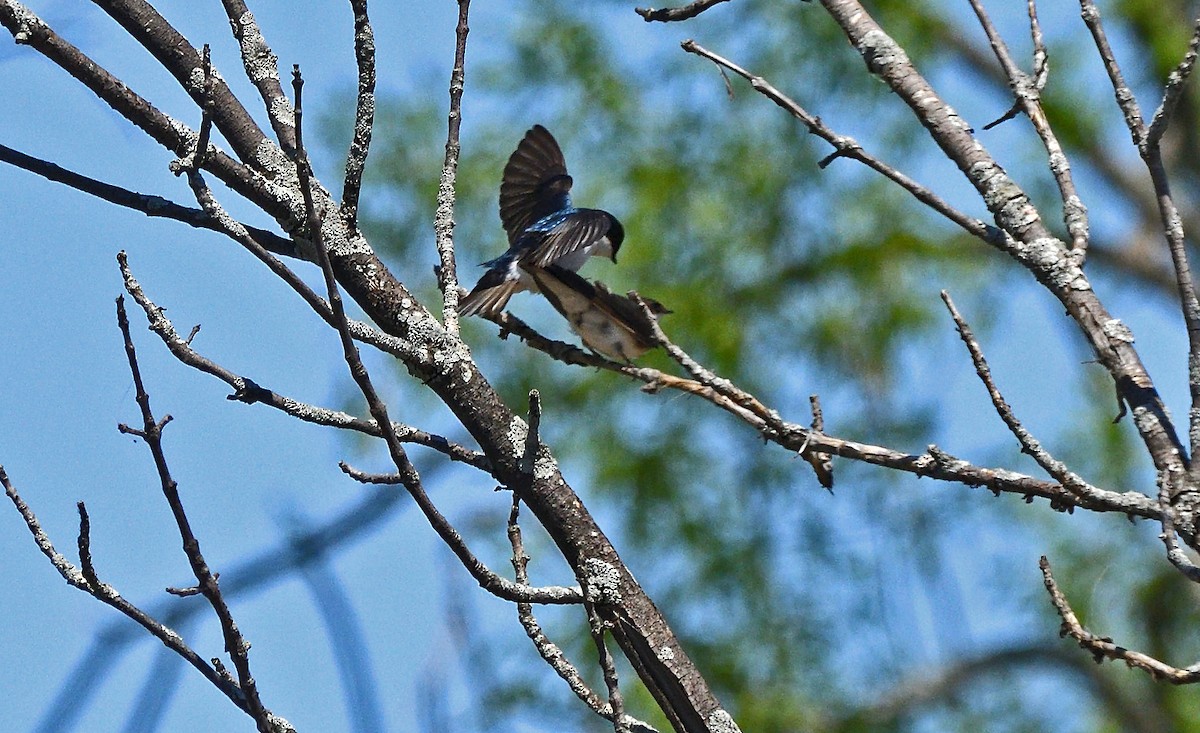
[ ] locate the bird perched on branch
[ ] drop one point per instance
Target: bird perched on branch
(609, 324)
(543, 227)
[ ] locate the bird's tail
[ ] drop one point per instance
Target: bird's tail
(488, 301)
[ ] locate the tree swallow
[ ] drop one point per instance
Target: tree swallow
(609, 324)
(543, 227)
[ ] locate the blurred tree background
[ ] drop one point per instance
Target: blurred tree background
(893, 604)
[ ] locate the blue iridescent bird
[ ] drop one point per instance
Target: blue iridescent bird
(543, 227)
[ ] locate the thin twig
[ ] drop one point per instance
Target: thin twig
(364, 113)
(85, 547)
(847, 147)
(443, 222)
(195, 160)
(151, 432)
(608, 670)
(803, 440)
(1029, 444)
(667, 15)
(108, 595)
(1148, 147)
(654, 379)
(707, 377)
(1173, 92)
(248, 391)
(550, 652)
(1027, 92)
(488, 580)
(1103, 647)
(1126, 101)
(148, 204)
(821, 463)
(385, 479)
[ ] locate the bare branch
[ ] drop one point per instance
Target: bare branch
(1103, 647)
(1168, 487)
(148, 204)
(934, 463)
(1030, 242)
(487, 579)
(1172, 223)
(85, 548)
(548, 650)
(234, 230)
(1126, 101)
(1029, 444)
(262, 69)
(28, 28)
(1176, 83)
(181, 59)
(847, 147)
(108, 595)
(385, 479)
(443, 223)
(195, 160)
(1027, 91)
(821, 463)
(249, 392)
(608, 669)
(364, 113)
(666, 15)
(235, 643)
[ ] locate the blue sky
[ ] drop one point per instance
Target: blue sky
(248, 474)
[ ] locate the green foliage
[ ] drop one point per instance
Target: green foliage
(787, 279)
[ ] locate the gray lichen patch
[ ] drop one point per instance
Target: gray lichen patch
(602, 582)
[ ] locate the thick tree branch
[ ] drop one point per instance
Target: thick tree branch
(1030, 242)
(179, 57)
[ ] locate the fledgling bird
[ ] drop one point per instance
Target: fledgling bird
(543, 227)
(609, 324)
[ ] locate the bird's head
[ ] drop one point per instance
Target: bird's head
(616, 235)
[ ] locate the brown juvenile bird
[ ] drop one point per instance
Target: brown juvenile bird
(609, 324)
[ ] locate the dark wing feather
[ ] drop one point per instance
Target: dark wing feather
(575, 231)
(572, 295)
(490, 294)
(535, 182)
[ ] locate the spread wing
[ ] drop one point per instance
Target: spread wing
(535, 183)
(570, 232)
